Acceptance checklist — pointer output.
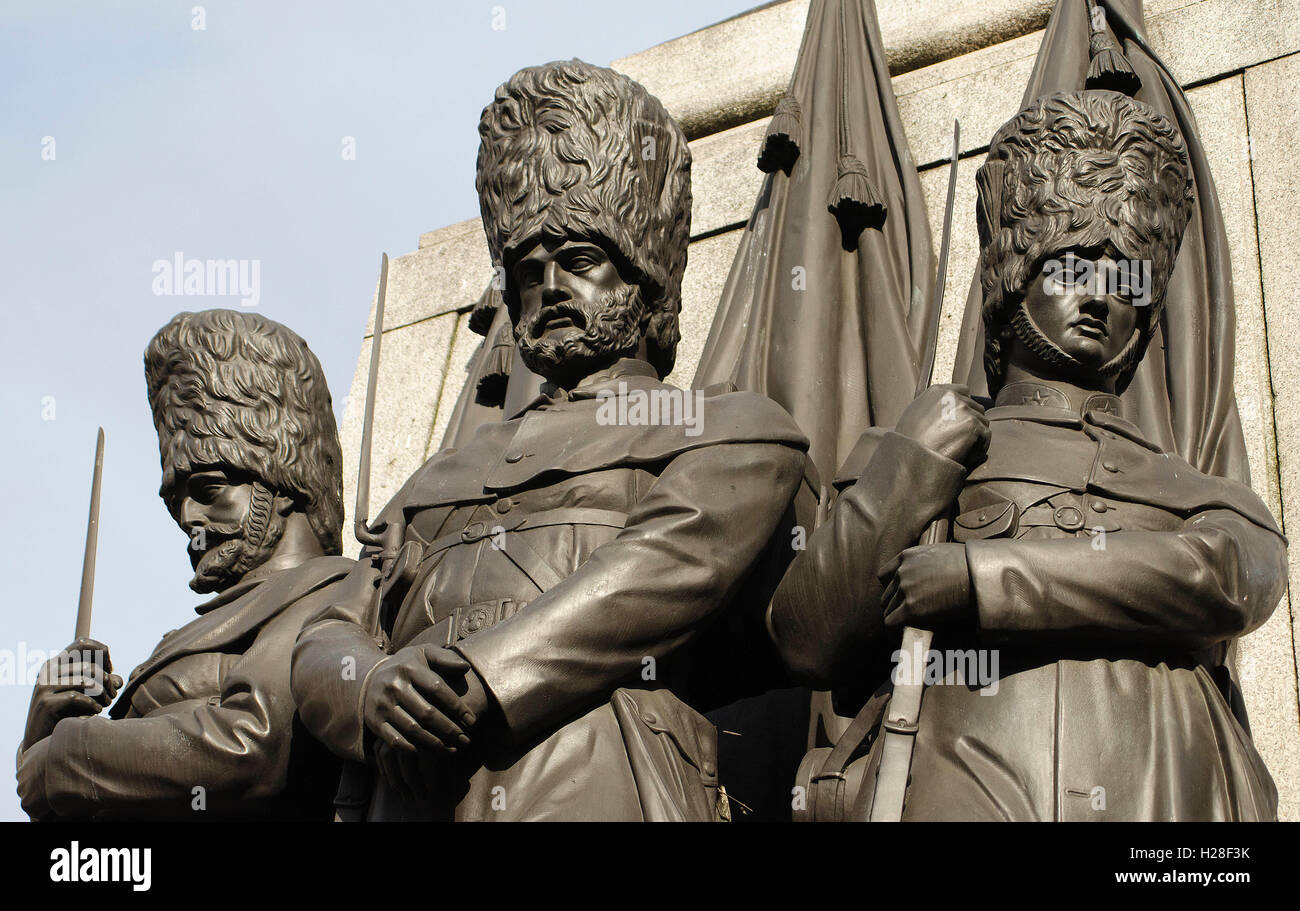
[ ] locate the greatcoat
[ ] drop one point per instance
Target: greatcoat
(206, 729)
(580, 564)
(1110, 577)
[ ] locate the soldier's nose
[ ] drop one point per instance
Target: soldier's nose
(553, 288)
(1095, 305)
(189, 514)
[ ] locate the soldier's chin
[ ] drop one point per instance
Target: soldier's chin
(217, 569)
(564, 361)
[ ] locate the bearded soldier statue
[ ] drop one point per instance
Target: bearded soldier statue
(528, 653)
(1106, 576)
(206, 727)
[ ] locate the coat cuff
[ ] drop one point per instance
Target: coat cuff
(69, 774)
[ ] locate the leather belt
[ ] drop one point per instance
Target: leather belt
(464, 621)
(477, 531)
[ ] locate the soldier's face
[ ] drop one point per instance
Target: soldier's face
(575, 313)
(215, 510)
(1085, 307)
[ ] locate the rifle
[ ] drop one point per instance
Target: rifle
(904, 709)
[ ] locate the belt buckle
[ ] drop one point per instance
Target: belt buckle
(465, 621)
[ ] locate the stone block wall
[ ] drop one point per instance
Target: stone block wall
(1240, 63)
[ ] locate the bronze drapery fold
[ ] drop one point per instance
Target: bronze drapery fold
(835, 335)
(483, 394)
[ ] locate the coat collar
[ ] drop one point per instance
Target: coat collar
(1043, 404)
(252, 579)
(589, 387)
(1044, 396)
(246, 605)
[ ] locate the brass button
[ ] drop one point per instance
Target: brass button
(649, 718)
(1110, 466)
(1099, 506)
(503, 506)
(513, 456)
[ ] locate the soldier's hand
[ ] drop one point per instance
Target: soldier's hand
(77, 681)
(411, 775)
(929, 586)
(408, 701)
(946, 420)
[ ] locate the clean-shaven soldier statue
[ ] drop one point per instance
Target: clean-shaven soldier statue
(206, 727)
(537, 666)
(1109, 575)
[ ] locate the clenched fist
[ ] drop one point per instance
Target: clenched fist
(946, 420)
(929, 586)
(77, 681)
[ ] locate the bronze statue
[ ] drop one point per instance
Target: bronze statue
(1104, 575)
(537, 648)
(206, 727)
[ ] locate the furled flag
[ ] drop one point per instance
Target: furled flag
(828, 307)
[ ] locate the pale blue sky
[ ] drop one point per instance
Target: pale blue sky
(223, 143)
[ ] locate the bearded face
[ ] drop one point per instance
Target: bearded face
(233, 527)
(575, 313)
(567, 341)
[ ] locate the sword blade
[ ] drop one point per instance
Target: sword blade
(361, 527)
(92, 544)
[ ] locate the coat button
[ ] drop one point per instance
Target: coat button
(1099, 506)
(1068, 518)
(649, 718)
(503, 506)
(513, 456)
(1110, 466)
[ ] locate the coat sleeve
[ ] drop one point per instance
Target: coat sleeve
(686, 548)
(234, 746)
(335, 652)
(826, 613)
(1217, 577)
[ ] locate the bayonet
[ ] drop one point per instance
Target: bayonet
(397, 561)
(926, 373)
(361, 523)
(92, 543)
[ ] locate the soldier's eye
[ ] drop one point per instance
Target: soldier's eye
(206, 493)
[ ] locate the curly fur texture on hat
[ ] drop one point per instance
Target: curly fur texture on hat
(1078, 170)
(236, 389)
